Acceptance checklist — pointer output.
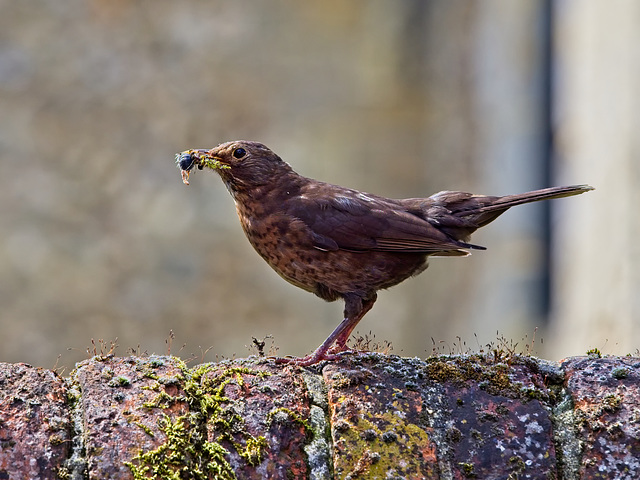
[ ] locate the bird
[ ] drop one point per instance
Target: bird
(340, 243)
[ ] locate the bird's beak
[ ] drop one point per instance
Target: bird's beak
(199, 158)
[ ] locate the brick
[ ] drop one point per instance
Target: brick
(34, 423)
(262, 418)
(497, 426)
(607, 414)
(119, 419)
(378, 421)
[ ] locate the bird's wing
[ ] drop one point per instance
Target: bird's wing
(350, 220)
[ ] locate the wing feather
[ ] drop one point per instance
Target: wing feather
(349, 220)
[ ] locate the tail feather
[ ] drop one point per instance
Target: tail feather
(508, 201)
(459, 214)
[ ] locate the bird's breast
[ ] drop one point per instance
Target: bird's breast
(286, 244)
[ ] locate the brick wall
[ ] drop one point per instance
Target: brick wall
(366, 416)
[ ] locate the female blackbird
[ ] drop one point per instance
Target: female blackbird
(341, 243)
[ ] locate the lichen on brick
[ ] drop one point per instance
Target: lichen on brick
(183, 451)
(493, 374)
(186, 447)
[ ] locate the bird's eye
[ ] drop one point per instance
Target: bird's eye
(239, 152)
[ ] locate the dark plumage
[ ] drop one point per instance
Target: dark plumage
(341, 243)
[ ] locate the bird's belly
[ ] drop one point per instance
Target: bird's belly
(335, 273)
(331, 274)
(285, 243)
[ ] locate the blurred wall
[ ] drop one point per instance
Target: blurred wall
(99, 238)
(597, 121)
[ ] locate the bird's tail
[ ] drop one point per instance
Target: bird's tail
(459, 214)
(487, 209)
(508, 201)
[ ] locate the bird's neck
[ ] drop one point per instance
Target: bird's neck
(257, 200)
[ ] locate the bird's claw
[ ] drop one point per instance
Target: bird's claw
(312, 359)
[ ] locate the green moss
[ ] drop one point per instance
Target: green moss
(212, 163)
(442, 371)
(534, 394)
(150, 374)
(517, 463)
(56, 440)
(119, 381)
(454, 435)
(491, 375)
(476, 435)
(186, 449)
(63, 473)
(154, 386)
(183, 452)
(253, 450)
(203, 159)
(162, 400)
(73, 397)
(611, 403)
(7, 444)
(594, 352)
(379, 454)
(466, 469)
(273, 416)
(145, 428)
(156, 362)
(620, 373)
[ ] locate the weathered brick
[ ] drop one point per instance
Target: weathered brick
(123, 403)
(607, 414)
(465, 416)
(497, 426)
(262, 419)
(378, 421)
(34, 423)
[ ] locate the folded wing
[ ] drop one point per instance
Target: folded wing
(350, 220)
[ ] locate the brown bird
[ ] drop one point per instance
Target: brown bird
(340, 243)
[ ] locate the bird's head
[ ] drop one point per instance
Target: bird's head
(241, 164)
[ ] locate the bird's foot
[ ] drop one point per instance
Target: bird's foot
(338, 348)
(314, 358)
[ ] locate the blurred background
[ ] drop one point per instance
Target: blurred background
(100, 239)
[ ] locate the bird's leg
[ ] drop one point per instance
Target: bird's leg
(354, 309)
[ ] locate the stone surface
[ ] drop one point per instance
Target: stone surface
(606, 399)
(468, 416)
(262, 418)
(123, 404)
(34, 423)
(494, 432)
(379, 424)
(365, 416)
